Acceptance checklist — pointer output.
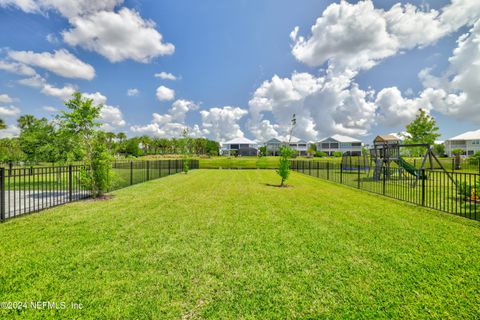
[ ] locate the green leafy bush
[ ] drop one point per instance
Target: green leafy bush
(464, 189)
(98, 178)
(320, 154)
(338, 154)
(262, 151)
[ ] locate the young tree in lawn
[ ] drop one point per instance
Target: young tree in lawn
(185, 142)
(439, 149)
(458, 160)
(424, 130)
(285, 153)
(79, 123)
(262, 151)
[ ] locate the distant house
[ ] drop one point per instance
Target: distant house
(240, 147)
(340, 143)
(299, 145)
(273, 147)
(469, 142)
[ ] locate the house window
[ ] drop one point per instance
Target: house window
(475, 141)
(234, 146)
(356, 144)
(333, 145)
(302, 145)
(325, 145)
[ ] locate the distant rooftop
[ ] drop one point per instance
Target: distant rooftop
(470, 135)
(297, 140)
(342, 139)
(387, 137)
(240, 141)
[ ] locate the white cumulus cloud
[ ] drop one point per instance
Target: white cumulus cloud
(9, 111)
(5, 98)
(118, 36)
(165, 94)
(172, 123)
(17, 68)
(222, 123)
(10, 132)
(61, 62)
(165, 76)
(132, 92)
(357, 36)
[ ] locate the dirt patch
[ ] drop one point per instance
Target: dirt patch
(102, 198)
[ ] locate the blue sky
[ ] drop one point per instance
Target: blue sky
(225, 58)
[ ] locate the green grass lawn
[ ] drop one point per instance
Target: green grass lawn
(269, 162)
(224, 244)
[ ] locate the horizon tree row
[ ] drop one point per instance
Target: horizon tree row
(43, 140)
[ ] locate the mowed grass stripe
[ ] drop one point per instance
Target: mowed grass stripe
(224, 244)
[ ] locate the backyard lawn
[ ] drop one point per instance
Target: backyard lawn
(225, 244)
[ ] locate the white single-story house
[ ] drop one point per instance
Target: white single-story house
(340, 143)
(239, 147)
(469, 142)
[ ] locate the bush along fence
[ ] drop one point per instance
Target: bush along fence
(453, 192)
(28, 189)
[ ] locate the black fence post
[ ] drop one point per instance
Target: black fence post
(148, 170)
(70, 184)
(422, 176)
(453, 164)
(341, 172)
(2, 194)
(358, 176)
(328, 170)
(169, 166)
(131, 172)
(384, 180)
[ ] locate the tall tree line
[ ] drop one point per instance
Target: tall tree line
(43, 140)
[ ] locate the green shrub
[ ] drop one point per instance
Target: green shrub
(465, 190)
(99, 177)
(320, 154)
(263, 151)
(338, 154)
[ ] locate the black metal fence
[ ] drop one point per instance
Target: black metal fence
(30, 189)
(453, 192)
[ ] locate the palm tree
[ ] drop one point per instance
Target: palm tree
(2, 124)
(26, 121)
(146, 142)
(121, 136)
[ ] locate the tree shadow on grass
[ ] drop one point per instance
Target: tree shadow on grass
(277, 185)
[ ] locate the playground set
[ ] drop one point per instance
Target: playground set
(386, 151)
